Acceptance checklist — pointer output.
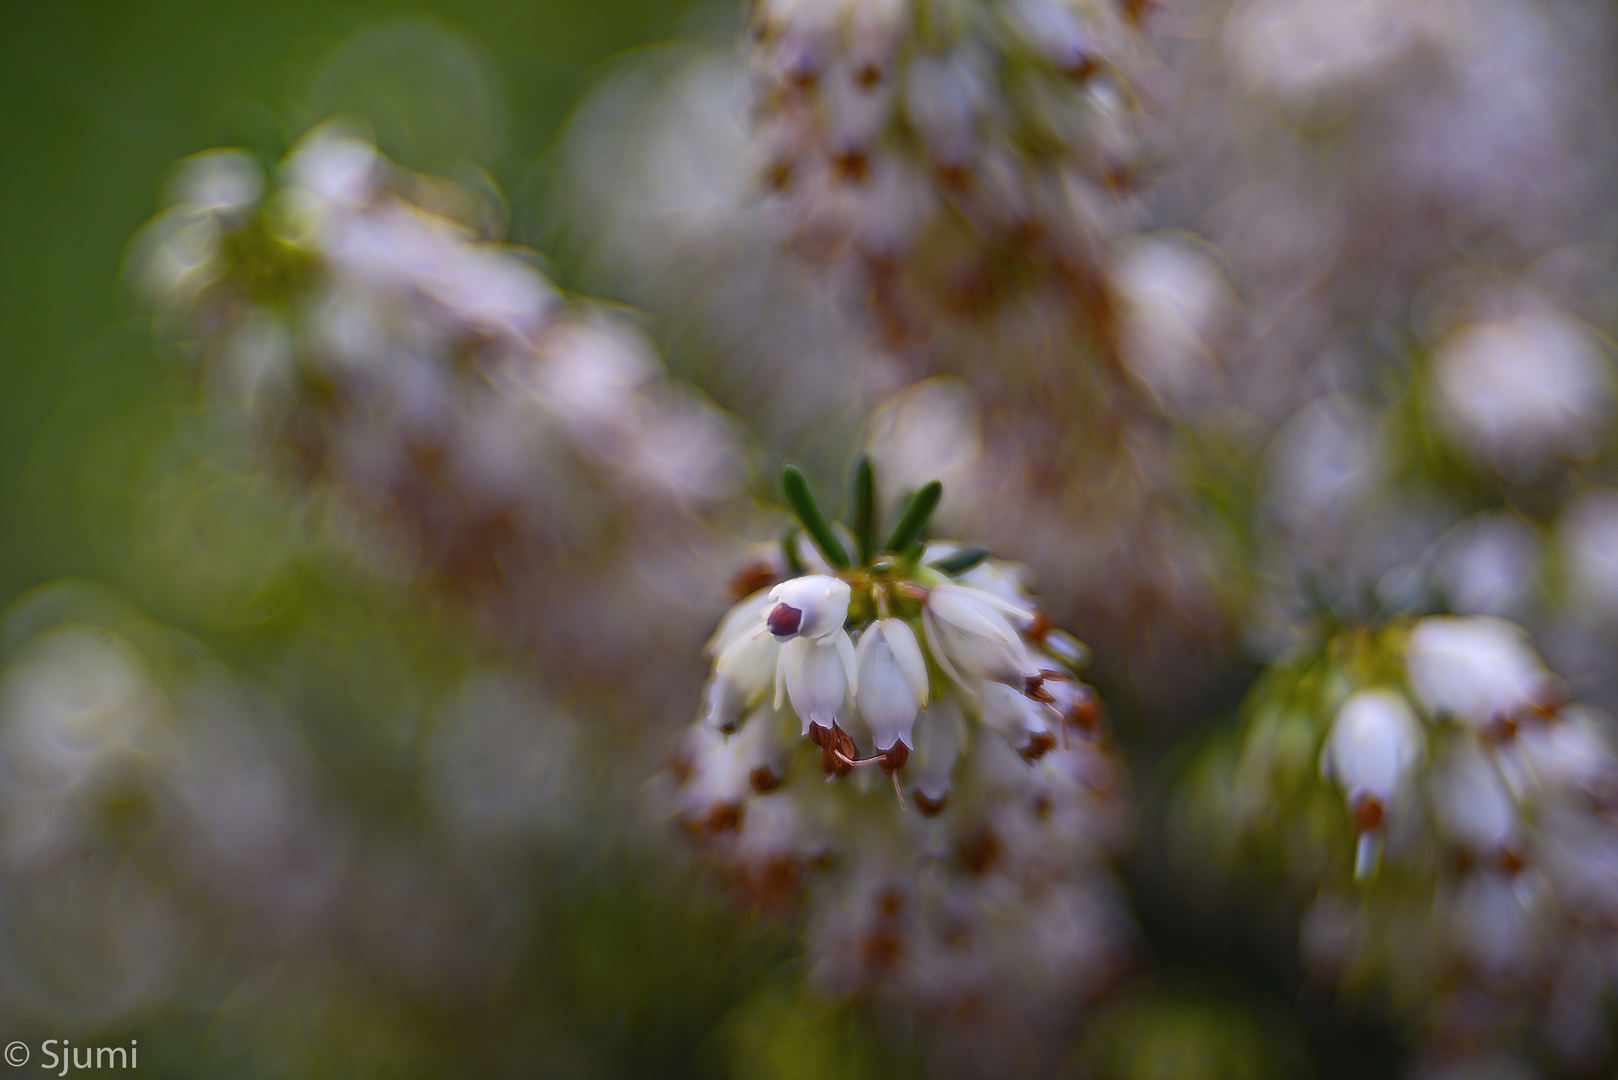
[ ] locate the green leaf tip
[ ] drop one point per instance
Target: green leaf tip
(863, 508)
(802, 500)
(962, 561)
(913, 518)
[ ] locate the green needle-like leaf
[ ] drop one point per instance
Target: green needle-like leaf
(863, 508)
(913, 518)
(803, 503)
(962, 561)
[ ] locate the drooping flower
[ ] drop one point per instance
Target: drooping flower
(1374, 742)
(969, 631)
(1008, 795)
(1478, 670)
(892, 681)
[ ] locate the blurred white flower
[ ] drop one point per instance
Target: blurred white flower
(969, 631)
(1478, 670)
(1520, 390)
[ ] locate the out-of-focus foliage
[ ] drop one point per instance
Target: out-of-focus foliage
(358, 541)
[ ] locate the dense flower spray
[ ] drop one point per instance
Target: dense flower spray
(930, 143)
(1449, 820)
(977, 886)
(523, 452)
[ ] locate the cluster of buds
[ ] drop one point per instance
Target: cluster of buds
(932, 142)
(927, 662)
(1450, 819)
(479, 426)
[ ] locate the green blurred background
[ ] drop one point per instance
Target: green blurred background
(99, 102)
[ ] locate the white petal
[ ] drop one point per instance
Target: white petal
(1373, 741)
(816, 681)
(821, 598)
(744, 618)
(887, 702)
(845, 652)
(907, 653)
(929, 627)
(1473, 669)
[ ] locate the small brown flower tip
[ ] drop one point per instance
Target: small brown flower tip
(980, 850)
(851, 166)
(778, 176)
(679, 770)
(751, 578)
(725, 817)
(1086, 710)
(763, 780)
(820, 736)
(894, 757)
(1368, 814)
(1511, 861)
(868, 77)
(889, 902)
(880, 950)
(1080, 69)
(784, 620)
(955, 178)
(1039, 744)
(929, 806)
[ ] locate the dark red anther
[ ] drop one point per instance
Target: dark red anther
(763, 779)
(1039, 744)
(1086, 710)
(751, 578)
(784, 620)
(895, 756)
(724, 817)
(980, 850)
(837, 750)
(852, 166)
(1368, 814)
(843, 743)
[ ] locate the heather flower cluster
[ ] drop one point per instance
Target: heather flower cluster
(475, 425)
(924, 143)
(1447, 817)
(882, 654)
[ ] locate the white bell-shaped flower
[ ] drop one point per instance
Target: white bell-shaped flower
(817, 677)
(1373, 743)
(969, 631)
(892, 681)
(1473, 807)
(1020, 719)
(939, 735)
(741, 678)
(745, 661)
(1476, 669)
(811, 606)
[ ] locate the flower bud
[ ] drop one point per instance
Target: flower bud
(810, 607)
(939, 737)
(892, 681)
(1373, 743)
(816, 675)
(968, 631)
(1476, 670)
